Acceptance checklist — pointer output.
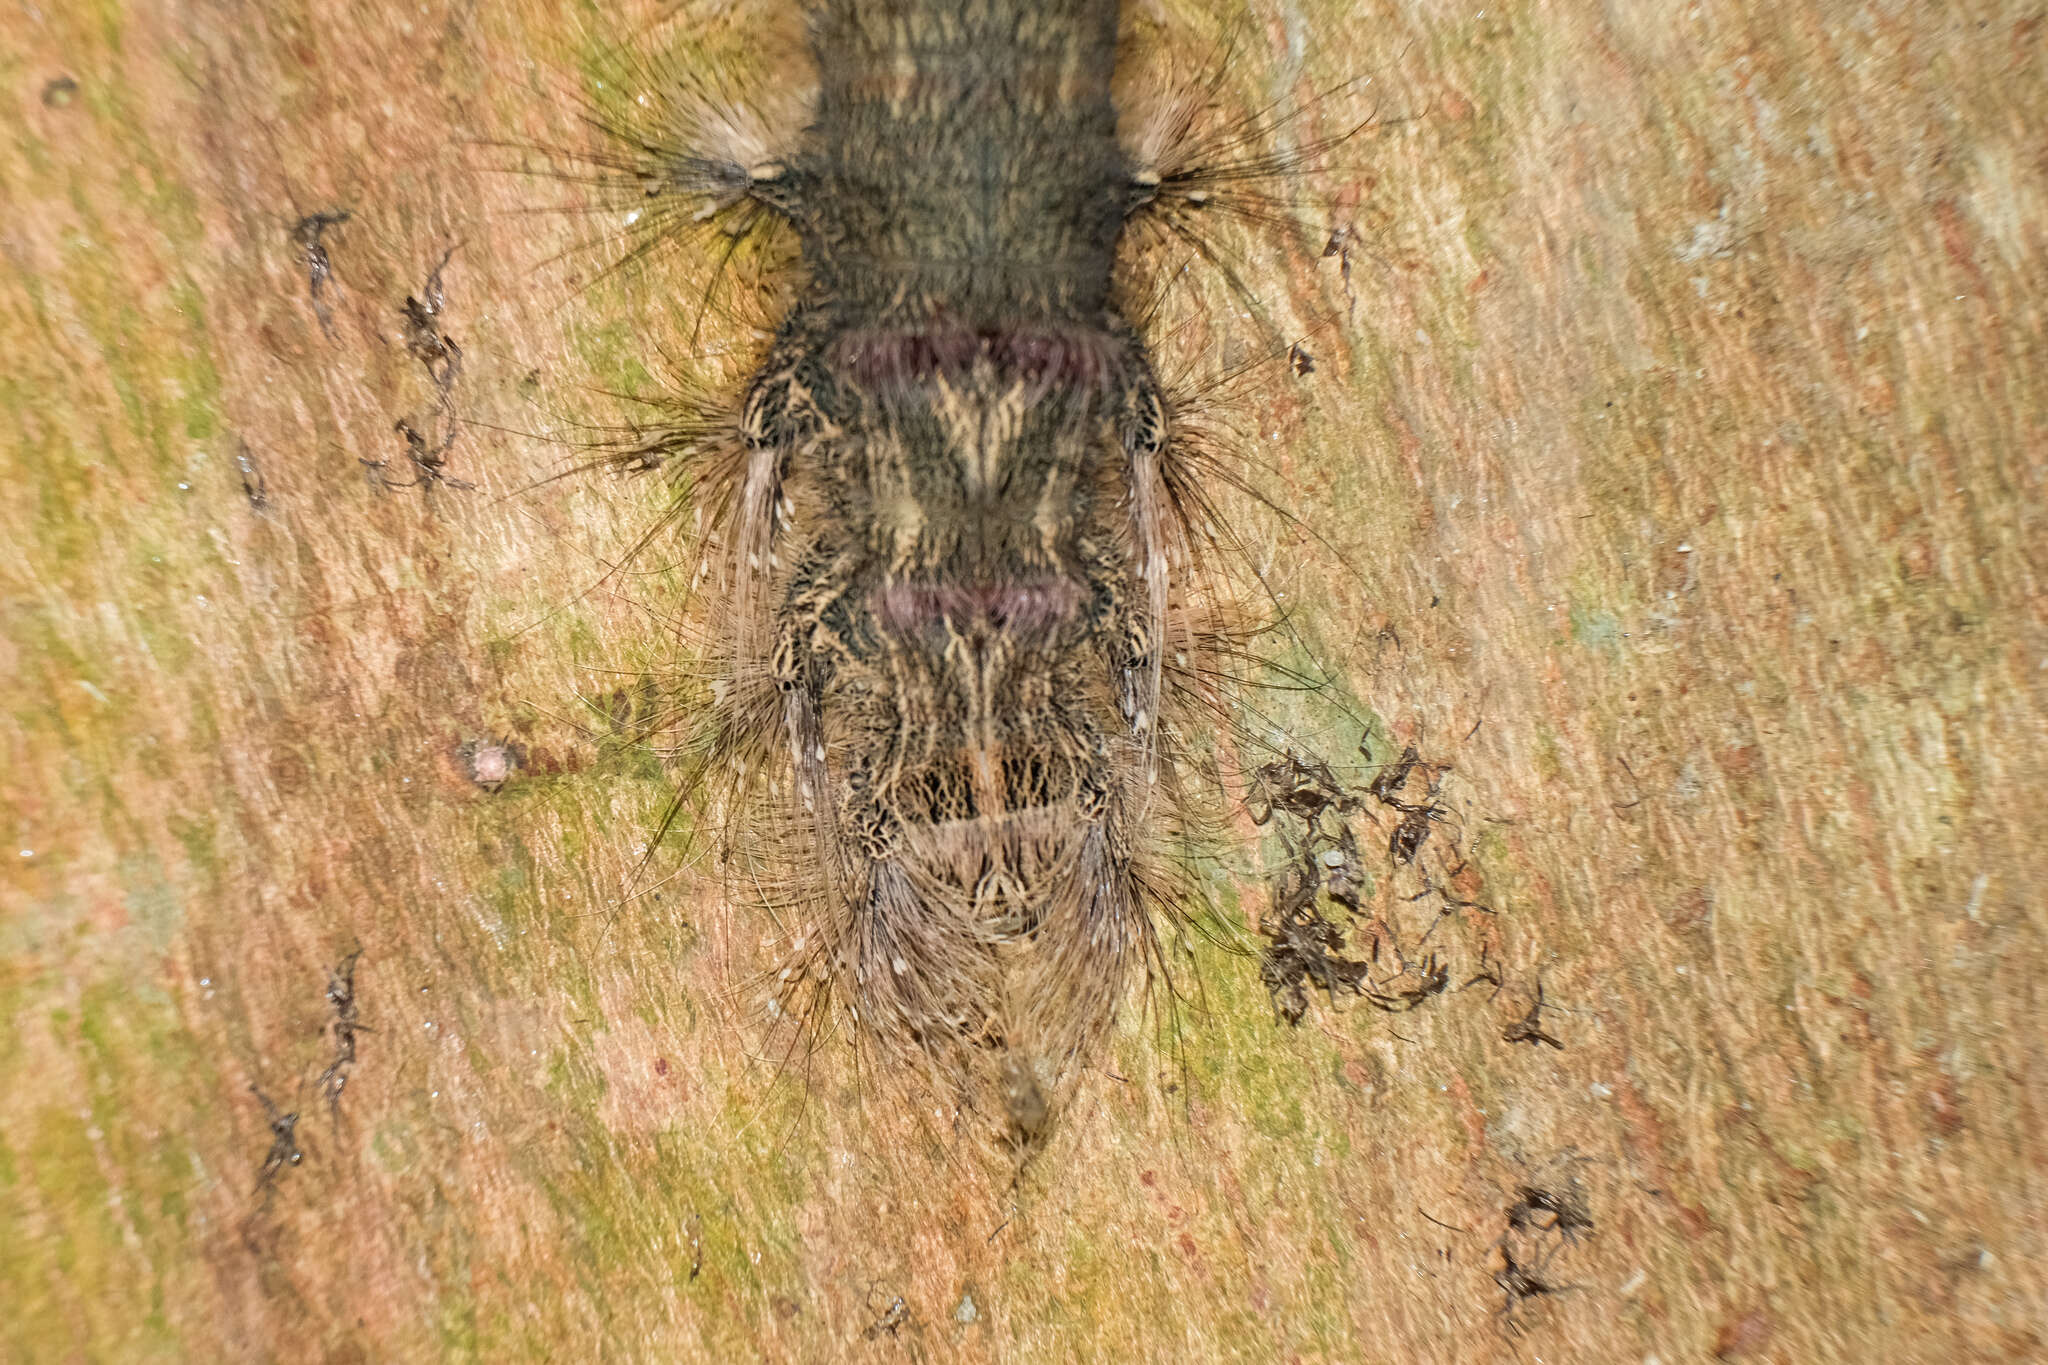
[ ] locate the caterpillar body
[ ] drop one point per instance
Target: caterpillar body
(954, 530)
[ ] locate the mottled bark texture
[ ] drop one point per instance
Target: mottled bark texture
(1667, 441)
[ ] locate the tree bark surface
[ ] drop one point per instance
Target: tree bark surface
(1667, 460)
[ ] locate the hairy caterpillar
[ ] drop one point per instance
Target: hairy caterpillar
(953, 528)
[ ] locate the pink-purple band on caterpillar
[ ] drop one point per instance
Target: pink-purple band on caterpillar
(1054, 357)
(1026, 609)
